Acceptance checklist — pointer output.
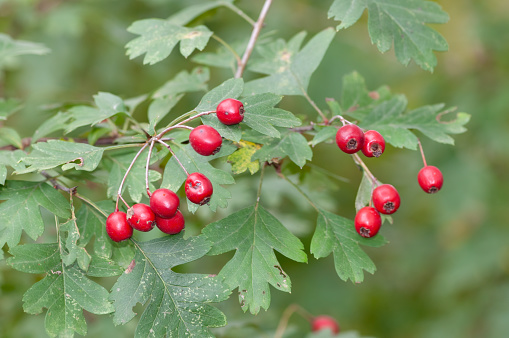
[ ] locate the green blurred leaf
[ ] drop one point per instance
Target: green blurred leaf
(10, 48)
(8, 107)
(389, 119)
(291, 144)
(335, 234)
(20, 209)
(11, 136)
(174, 176)
(53, 153)
(254, 234)
(324, 134)
(159, 108)
(189, 13)
(241, 158)
(292, 78)
(261, 115)
(177, 303)
(185, 82)
(402, 22)
(65, 291)
(54, 123)
(159, 37)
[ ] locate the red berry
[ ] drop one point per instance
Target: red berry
(430, 179)
(386, 199)
(367, 222)
(230, 111)
(117, 227)
(141, 217)
(172, 225)
(374, 144)
(350, 138)
(325, 322)
(198, 188)
(205, 140)
(164, 203)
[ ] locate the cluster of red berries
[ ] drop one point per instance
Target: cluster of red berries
(350, 139)
(163, 210)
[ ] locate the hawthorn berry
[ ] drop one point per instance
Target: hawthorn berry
(164, 203)
(198, 188)
(172, 225)
(430, 179)
(367, 222)
(205, 140)
(141, 217)
(386, 199)
(325, 322)
(117, 227)
(374, 144)
(230, 111)
(350, 138)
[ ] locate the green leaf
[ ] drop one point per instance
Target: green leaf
(189, 13)
(3, 174)
(159, 37)
(54, 123)
(292, 78)
(389, 119)
(159, 108)
(324, 134)
(335, 234)
(261, 115)
(10, 48)
(222, 57)
(91, 223)
(135, 181)
(291, 144)
(53, 153)
(254, 234)
(8, 107)
(11, 136)
(174, 176)
(177, 303)
(69, 234)
(185, 82)
(231, 88)
(20, 209)
(65, 291)
(12, 159)
(402, 22)
(241, 158)
(365, 191)
(107, 104)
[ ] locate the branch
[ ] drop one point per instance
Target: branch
(252, 40)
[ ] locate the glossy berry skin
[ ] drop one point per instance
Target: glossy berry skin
(374, 144)
(164, 203)
(367, 222)
(386, 199)
(141, 217)
(325, 322)
(230, 111)
(117, 227)
(350, 138)
(430, 179)
(198, 188)
(172, 225)
(205, 140)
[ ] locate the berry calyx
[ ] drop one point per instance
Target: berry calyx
(205, 140)
(172, 225)
(367, 222)
(198, 188)
(230, 111)
(164, 203)
(430, 179)
(386, 199)
(374, 144)
(350, 138)
(117, 227)
(325, 322)
(141, 217)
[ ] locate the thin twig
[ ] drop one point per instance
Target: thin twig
(175, 156)
(228, 47)
(289, 311)
(181, 124)
(127, 173)
(252, 40)
(258, 194)
(360, 162)
(422, 152)
(240, 13)
(152, 141)
(313, 104)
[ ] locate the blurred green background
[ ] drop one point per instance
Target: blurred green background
(445, 271)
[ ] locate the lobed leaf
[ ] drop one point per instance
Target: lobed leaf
(291, 144)
(254, 234)
(241, 158)
(10, 48)
(177, 303)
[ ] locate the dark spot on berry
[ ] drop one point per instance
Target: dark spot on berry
(389, 206)
(376, 149)
(433, 190)
(365, 232)
(241, 111)
(205, 201)
(226, 112)
(352, 144)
